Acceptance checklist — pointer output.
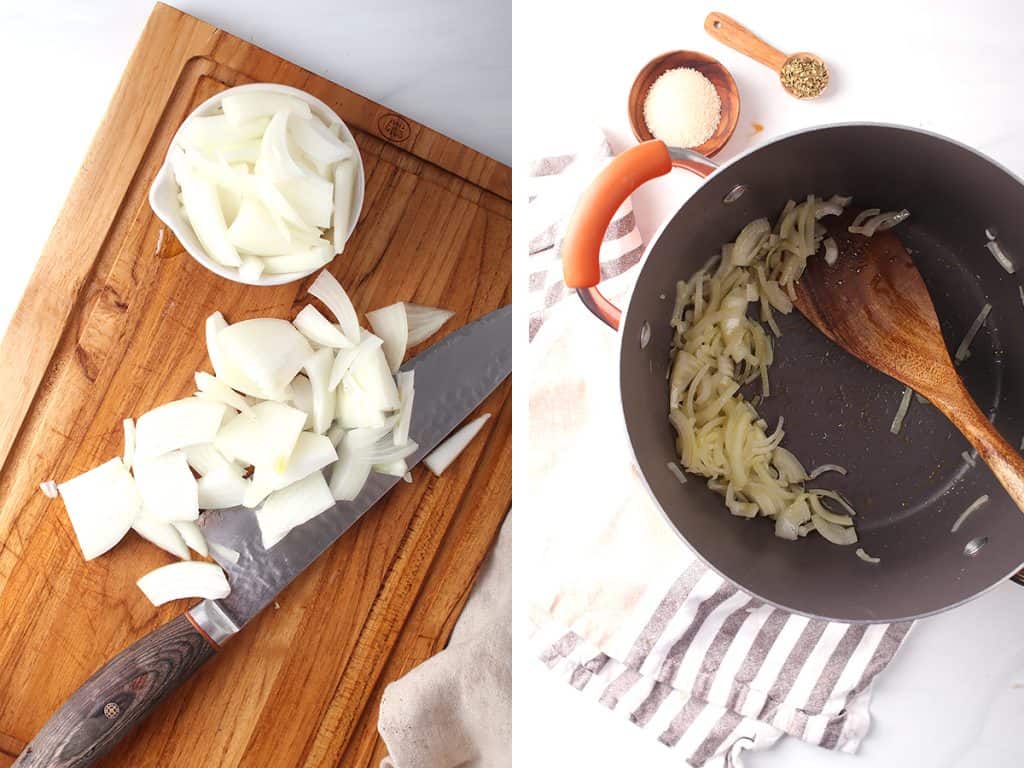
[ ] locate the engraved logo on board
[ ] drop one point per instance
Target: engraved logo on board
(394, 127)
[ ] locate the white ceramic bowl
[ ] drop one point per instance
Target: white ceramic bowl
(163, 195)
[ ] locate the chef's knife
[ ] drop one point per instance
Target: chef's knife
(452, 378)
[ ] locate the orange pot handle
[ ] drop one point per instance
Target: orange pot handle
(581, 247)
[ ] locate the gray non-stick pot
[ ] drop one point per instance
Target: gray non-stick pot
(908, 489)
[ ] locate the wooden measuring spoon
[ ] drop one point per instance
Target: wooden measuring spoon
(873, 303)
(730, 32)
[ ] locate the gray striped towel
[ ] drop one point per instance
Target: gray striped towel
(621, 609)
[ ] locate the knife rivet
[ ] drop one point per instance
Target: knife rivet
(111, 710)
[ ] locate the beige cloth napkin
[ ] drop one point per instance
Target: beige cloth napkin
(622, 609)
(455, 709)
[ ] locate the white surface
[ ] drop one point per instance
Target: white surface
(949, 698)
(444, 63)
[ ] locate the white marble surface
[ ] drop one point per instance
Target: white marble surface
(444, 63)
(954, 697)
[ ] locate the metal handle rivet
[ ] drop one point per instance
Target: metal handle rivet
(111, 710)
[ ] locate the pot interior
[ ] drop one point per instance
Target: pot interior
(908, 489)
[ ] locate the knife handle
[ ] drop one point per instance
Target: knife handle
(118, 696)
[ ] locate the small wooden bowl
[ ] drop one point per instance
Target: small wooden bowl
(713, 70)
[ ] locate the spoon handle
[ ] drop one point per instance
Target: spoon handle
(733, 34)
(1002, 458)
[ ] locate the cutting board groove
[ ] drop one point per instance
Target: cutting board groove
(112, 324)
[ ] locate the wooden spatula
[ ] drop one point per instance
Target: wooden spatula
(873, 303)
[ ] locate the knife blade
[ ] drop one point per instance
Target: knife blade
(452, 378)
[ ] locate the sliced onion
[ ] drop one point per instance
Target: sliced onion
(837, 534)
(423, 322)
(302, 398)
(186, 579)
(176, 424)
(250, 269)
(102, 504)
(901, 412)
(1000, 256)
(267, 350)
(312, 197)
(349, 474)
(242, 106)
(861, 217)
(822, 469)
(219, 391)
(335, 434)
(223, 553)
(202, 207)
(327, 288)
(964, 350)
(831, 251)
(789, 467)
(344, 193)
(256, 230)
(318, 368)
(318, 329)
(304, 259)
(167, 487)
(318, 143)
(221, 489)
(867, 558)
(211, 132)
(973, 507)
(677, 472)
(129, 442)
(748, 241)
(193, 536)
(292, 506)
(356, 408)
(406, 392)
(442, 456)
(397, 468)
(161, 533)
(391, 324)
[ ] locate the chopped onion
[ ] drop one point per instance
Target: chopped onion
(327, 288)
(161, 533)
(267, 350)
(49, 489)
(406, 392)
(102, 504)
(423, 322)
(312, 452)
(371, 373)
(225, 370)
(355, 407)
(677, 472)
(335, 434)
(901, 412)
(397, 468)
(867, 558)
(193, 536)
(264, 437)
(346, 358)
(176, 424)
(219, 391)
(167, 487)
(974, 506)
(442, 456)
(1000, 255)
(350, 473)
(820, 470)
(302, 398)
(186, 579)
(292, 506)
(963, 351)
(391, 324)
(318, 329)
(204, 458)
(221, 489)
(129, 442)
(344, 192)
(318, 368)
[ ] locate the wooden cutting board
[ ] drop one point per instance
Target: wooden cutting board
(112, 325)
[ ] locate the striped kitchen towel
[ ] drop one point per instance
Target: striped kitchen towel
(620, 608)
(554, 183)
